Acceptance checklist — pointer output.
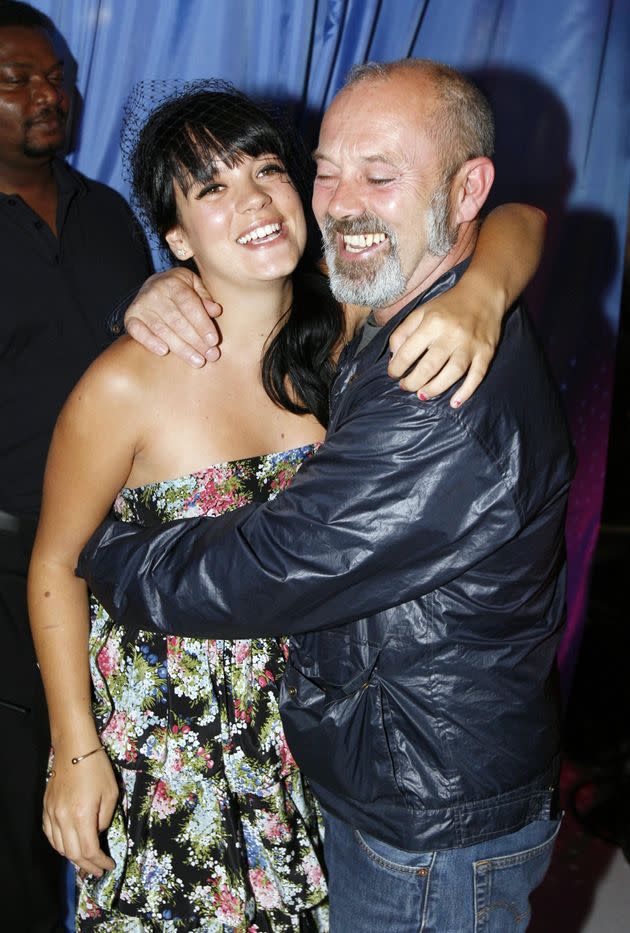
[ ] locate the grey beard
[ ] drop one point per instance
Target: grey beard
(441, 235)
(371, 283)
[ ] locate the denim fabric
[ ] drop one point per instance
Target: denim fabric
(485, 888)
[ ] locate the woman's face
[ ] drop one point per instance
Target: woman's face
(245, 225)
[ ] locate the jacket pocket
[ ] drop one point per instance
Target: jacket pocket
(336, 734)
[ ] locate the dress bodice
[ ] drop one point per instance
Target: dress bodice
(219, 488)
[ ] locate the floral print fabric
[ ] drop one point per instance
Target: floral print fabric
(216, 830)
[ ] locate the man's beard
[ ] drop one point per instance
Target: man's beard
(377, 282)
(36, 151)
(374, 282)
(440, 232)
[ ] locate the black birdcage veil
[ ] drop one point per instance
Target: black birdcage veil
(181, 130)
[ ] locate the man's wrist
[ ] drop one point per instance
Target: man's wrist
(116, 320)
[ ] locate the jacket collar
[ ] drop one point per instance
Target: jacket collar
(380, 342)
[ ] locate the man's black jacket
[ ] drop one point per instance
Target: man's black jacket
(418, 562)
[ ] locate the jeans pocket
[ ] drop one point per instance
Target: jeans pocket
(397, 860)
(504, 883)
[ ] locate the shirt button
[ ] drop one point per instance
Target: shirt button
(292, 691)
(116, 328)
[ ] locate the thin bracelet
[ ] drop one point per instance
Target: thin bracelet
(75, 761)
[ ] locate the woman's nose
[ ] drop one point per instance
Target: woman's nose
(253, 198)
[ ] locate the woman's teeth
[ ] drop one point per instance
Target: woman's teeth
(260, 233)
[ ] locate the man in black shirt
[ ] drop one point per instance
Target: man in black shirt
(69, 252)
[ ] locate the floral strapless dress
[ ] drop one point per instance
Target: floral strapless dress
(216, 831)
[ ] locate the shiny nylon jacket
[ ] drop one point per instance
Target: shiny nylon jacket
(418, 562)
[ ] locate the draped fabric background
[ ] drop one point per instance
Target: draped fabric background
(558, 75)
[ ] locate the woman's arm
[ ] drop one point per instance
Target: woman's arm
(89, 460)
(457, 333)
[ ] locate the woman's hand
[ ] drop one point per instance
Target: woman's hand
(78, 805)
(173, 311)
(454, 335)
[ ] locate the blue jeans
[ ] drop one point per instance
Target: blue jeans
(484, 888)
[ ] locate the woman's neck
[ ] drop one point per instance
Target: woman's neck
(250, 314)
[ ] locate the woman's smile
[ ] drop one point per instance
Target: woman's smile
(262, 234)
(251, 207)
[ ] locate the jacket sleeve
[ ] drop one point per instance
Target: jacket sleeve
(399, 500)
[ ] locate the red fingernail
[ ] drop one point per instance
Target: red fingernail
(456, 402)
(422, 396)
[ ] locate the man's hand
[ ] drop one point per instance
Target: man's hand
(453, 335)
(173, 312)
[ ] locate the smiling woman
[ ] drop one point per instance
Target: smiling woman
(211, 169)
(214, 826)
(256, 208)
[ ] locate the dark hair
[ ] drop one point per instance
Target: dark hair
(302, 350)
(182, 141)
(13, 13)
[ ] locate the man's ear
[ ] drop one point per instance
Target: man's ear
(471, 188)
(178, 244)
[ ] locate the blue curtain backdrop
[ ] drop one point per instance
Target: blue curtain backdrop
(558, 74)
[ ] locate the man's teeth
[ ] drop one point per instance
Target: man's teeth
(358, 241)
(259, 233)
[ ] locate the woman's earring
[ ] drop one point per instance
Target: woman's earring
(181, 252)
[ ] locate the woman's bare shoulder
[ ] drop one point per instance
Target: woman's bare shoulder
(123, 374)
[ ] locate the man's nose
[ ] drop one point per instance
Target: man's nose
(47, 92)
(346, 200)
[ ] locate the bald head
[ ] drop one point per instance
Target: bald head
(456, 114)
(399, 181)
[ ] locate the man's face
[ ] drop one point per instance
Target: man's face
(379, 195)
(33, 102)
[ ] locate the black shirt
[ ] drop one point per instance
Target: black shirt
(57, 293)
